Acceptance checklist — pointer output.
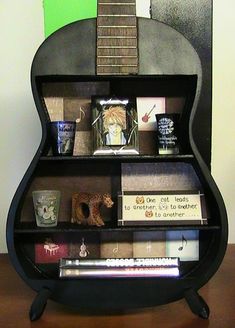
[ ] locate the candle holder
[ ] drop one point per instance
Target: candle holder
(46, 207)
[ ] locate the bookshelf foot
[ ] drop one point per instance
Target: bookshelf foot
(39, 304)
(197, 304)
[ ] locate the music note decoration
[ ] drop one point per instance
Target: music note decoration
(183, 243)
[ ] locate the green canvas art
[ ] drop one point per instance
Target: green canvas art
(58, 13)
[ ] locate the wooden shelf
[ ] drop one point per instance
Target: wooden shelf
(123, 158)
(66, 227)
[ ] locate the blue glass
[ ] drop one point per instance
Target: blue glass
(62, 137)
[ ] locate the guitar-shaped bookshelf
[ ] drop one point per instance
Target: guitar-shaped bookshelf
(111, 56)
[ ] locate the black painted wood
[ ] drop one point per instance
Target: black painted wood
(193, 18)
(169, 65)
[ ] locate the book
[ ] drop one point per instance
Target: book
(72, 263)
(119, 272)
(117, 268)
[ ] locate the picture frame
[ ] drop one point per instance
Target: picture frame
(114, 126)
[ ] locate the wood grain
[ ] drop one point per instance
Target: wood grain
(219, 293)
(117, 42)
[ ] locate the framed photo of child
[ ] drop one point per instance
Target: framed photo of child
(114, 126)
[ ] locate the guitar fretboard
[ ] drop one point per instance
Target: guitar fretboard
(117, 49)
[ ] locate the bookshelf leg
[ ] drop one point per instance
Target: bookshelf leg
(39, 304)
(197, 304)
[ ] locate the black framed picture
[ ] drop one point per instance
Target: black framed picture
(114, 125)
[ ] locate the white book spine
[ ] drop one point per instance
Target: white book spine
(118, 272)
(125, 262)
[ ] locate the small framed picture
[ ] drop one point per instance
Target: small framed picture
(115, 126)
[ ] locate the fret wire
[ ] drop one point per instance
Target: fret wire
(111, 15)
(117, 26)
(114, 73)
(116, 65)
(117, 47)
(116, 56)
(117, 4)
(115, 37)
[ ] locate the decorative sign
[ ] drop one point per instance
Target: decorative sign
(151, 208)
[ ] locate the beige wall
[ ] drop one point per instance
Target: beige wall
(223, 133)
(21, 24)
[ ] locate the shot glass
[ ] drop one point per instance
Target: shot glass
(46, 207)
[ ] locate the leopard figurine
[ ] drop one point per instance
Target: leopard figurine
(87, 203)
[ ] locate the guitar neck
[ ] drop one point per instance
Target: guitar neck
(117, 44)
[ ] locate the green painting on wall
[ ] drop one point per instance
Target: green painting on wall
(58, 13)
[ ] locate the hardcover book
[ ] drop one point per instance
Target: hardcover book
(119, 272)
(119, 262)
(118, 268)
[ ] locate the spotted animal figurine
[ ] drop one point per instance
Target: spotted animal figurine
(86, 208)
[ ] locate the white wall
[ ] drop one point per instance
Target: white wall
(223, 134)
(21, 24)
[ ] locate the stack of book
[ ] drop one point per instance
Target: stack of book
(118, 268)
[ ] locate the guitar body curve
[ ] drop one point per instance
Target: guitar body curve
(163, 51)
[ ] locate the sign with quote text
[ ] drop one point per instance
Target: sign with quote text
(161, 208)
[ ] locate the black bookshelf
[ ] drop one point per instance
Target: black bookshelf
(181, 79)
